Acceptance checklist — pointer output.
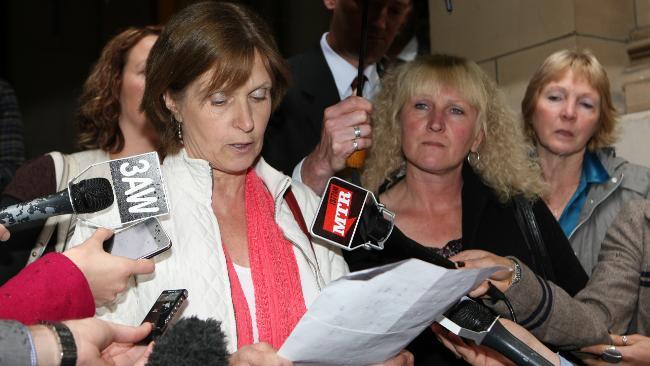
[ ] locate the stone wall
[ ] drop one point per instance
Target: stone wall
(510, 39)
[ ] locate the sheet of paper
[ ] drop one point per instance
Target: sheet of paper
(368, 316)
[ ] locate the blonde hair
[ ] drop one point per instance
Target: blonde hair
(505, 164)
(584, 64)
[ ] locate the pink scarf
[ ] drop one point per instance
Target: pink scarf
(279, 301)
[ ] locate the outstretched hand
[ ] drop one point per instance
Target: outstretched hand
(107, 274)
(93, 336)
(258, 354)
(481, 259)
(483, 356)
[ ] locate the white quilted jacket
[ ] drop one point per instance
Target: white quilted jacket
(196, 261)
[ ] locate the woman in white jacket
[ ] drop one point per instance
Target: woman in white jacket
(240, 243)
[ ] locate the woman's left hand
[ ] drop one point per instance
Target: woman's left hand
(471, 353)
(481, 259)
(404, 358)
(482, 356)
(258, 354)
(636, 351)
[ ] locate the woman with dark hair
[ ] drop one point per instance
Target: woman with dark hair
(109, 117)
(111, 126)
(241, 247)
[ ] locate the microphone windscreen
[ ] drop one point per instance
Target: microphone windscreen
(191, 341)
(471, 315)
(91, 195)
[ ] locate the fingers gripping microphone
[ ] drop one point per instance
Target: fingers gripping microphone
(191, 341)
(471, 320)
(87, 196)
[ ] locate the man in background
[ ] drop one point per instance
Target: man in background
(320, 123)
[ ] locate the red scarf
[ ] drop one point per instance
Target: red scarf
(279, 301)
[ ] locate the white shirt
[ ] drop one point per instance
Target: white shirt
(410, 50)
(245, 277)
(344, 72)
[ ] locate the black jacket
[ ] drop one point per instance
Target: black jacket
(295, 127)
(488, 225)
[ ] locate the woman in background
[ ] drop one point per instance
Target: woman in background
(111, 126)
(616, 299)
(569, 116)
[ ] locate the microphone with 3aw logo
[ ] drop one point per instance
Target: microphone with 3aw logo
(86, 196)
(350, 217)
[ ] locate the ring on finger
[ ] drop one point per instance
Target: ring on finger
(624, 340)
(355, 145)
(611, 355)
(357, 132)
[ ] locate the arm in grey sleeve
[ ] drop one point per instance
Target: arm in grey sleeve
(552, 315)
(613, 289)
(608, 302)
(15, 344)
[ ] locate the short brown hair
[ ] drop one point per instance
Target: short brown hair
(222, 36)
(99, 104)
(583, 63)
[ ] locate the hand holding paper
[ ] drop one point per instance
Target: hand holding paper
(368, 316)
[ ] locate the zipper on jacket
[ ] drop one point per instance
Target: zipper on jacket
(620, 181)
(315, 268)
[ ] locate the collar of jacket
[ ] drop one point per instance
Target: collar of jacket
(615, 167)
(631, 176)
(635, 179)
(200, 173)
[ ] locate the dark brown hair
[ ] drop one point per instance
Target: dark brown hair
(99, 104)
(209, 35)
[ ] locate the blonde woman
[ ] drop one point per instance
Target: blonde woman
(455, 158)
(569, 116)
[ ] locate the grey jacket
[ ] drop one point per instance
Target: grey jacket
(616, 298)
(15, 348)
(627, 182)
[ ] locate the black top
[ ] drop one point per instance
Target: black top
(488, 225)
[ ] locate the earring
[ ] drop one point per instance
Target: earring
(473, 158)
(179, 130)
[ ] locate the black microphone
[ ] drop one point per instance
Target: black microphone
(191, 341)
(350, 217)
(474, 321)
(89, 195)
